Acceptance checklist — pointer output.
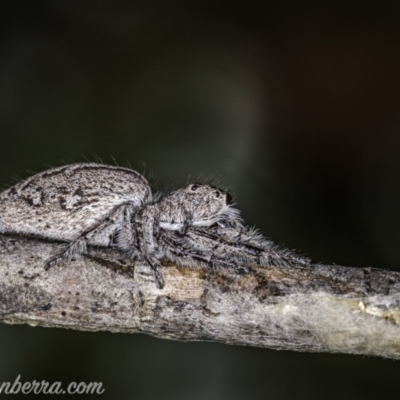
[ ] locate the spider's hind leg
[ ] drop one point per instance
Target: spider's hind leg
(75, 248)
(101, 233)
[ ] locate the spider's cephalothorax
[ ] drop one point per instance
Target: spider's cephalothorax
(195, 205)
(94, 204)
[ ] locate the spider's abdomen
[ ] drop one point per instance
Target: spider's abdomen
(63, 202)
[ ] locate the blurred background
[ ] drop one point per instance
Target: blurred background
(294, 105)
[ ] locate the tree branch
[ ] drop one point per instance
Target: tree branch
(319, 308)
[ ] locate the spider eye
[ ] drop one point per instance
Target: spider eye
(194, 187)
(217, 194)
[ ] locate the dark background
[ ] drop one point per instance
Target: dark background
(295, 105)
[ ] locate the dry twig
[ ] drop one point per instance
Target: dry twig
(318, 308)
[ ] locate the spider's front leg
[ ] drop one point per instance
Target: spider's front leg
(247, 246)
(234, 247)
(205, 248)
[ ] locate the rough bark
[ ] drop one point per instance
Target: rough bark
(323, 308)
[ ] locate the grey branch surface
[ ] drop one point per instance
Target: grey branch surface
(323, 308)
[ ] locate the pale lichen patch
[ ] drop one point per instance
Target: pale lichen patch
(182, 287)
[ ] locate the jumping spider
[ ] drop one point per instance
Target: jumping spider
(94, 204)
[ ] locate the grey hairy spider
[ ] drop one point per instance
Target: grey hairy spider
(94, 204)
